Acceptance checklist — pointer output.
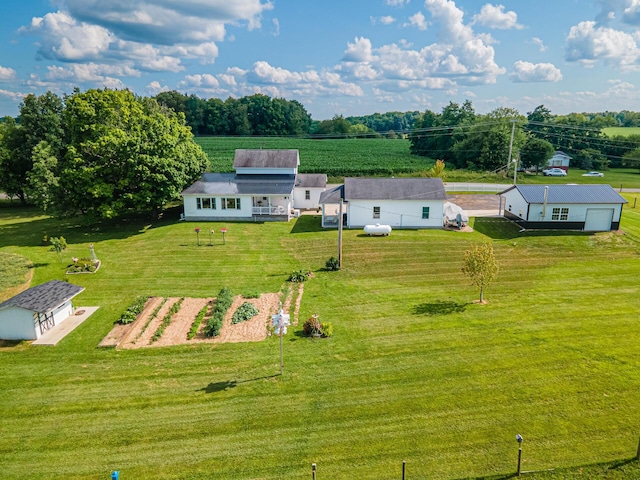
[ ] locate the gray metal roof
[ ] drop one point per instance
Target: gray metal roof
(332, 196)
(45, 297)
(232, 184)
(311, 180)
(394, 189)
(266, 159)
(598, 194)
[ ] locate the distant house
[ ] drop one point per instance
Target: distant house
(264, 188)
(398, 202)
(560, 160)
(565, 207)
(30, 314)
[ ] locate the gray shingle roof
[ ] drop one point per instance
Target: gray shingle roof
(598, 194)
(266, 159)
(45, 297)
(332, 196)
(394, 189)
(232, 184)
(311, 180)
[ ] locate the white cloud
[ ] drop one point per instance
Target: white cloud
(397, 3)
(89, 72)
(205, 80)
(15, 96)
(631, 13)
(155, 87)
(359, 51)
(418, 20)
(66, 39)
(276, 24)
(7, 73)
(539, 72)
(494, 16)
(587, 44)
(385, 20)
(537, 41)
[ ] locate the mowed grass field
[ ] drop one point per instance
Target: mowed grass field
(415, 371)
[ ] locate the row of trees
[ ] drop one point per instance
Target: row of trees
(464, 139)
(257, 115)
(100, 153)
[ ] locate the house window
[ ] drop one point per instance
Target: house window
(560, 214)
(425, 212)
(205, 202)
(376, 212)
(307, 194)
(230, 203)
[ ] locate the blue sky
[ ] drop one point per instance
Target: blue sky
(353, 57)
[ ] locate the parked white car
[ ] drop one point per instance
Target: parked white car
(554, 172)
(593, 174)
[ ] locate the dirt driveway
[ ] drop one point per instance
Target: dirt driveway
(476, 204)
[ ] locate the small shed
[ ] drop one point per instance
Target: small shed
(28, 315)
(593, 208)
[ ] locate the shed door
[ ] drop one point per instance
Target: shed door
(598, 219)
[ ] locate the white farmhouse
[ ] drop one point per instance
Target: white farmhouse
(265, 187)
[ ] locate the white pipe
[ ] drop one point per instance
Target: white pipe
(544, 203)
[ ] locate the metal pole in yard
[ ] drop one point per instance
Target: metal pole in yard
(340, 237)
(313, 471)
(519, 440)
(404, 465)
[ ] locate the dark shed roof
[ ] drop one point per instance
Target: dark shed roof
(311, 180)
(394, 189)
(598, 194)
(332, 196)
(266, 159)
(45, 297)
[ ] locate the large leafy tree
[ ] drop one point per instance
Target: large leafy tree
(124, 154)
(486, 144)
(436, 134)
(536, 152)
(40, 120)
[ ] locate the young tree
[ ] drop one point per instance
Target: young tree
(481, 266)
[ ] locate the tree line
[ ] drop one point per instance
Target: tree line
(467, 140)
(100, 153)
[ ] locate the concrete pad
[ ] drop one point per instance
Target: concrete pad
(57, 333)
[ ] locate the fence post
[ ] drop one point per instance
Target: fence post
(404, 464)
(313, 471)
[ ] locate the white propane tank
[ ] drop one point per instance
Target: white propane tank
(377, 229)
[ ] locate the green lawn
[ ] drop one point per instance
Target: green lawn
(622, 131)
(415, 371)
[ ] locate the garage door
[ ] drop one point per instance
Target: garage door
(598, 219)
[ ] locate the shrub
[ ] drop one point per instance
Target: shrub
(253, 294)
(244, 312)
(314, 328)
(298, 276)
(83, 265)
(133, 311)
(333, 264)
(223, 302)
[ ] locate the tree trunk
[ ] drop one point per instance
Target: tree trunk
(481, 294)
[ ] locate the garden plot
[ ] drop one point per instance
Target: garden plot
(148, 331)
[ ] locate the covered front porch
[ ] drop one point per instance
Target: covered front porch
(272, 206)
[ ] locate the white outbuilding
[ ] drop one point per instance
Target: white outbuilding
(30, 314)
(593, 208)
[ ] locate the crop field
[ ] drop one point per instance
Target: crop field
(415, 371)
(622, 131)
(347, 157)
